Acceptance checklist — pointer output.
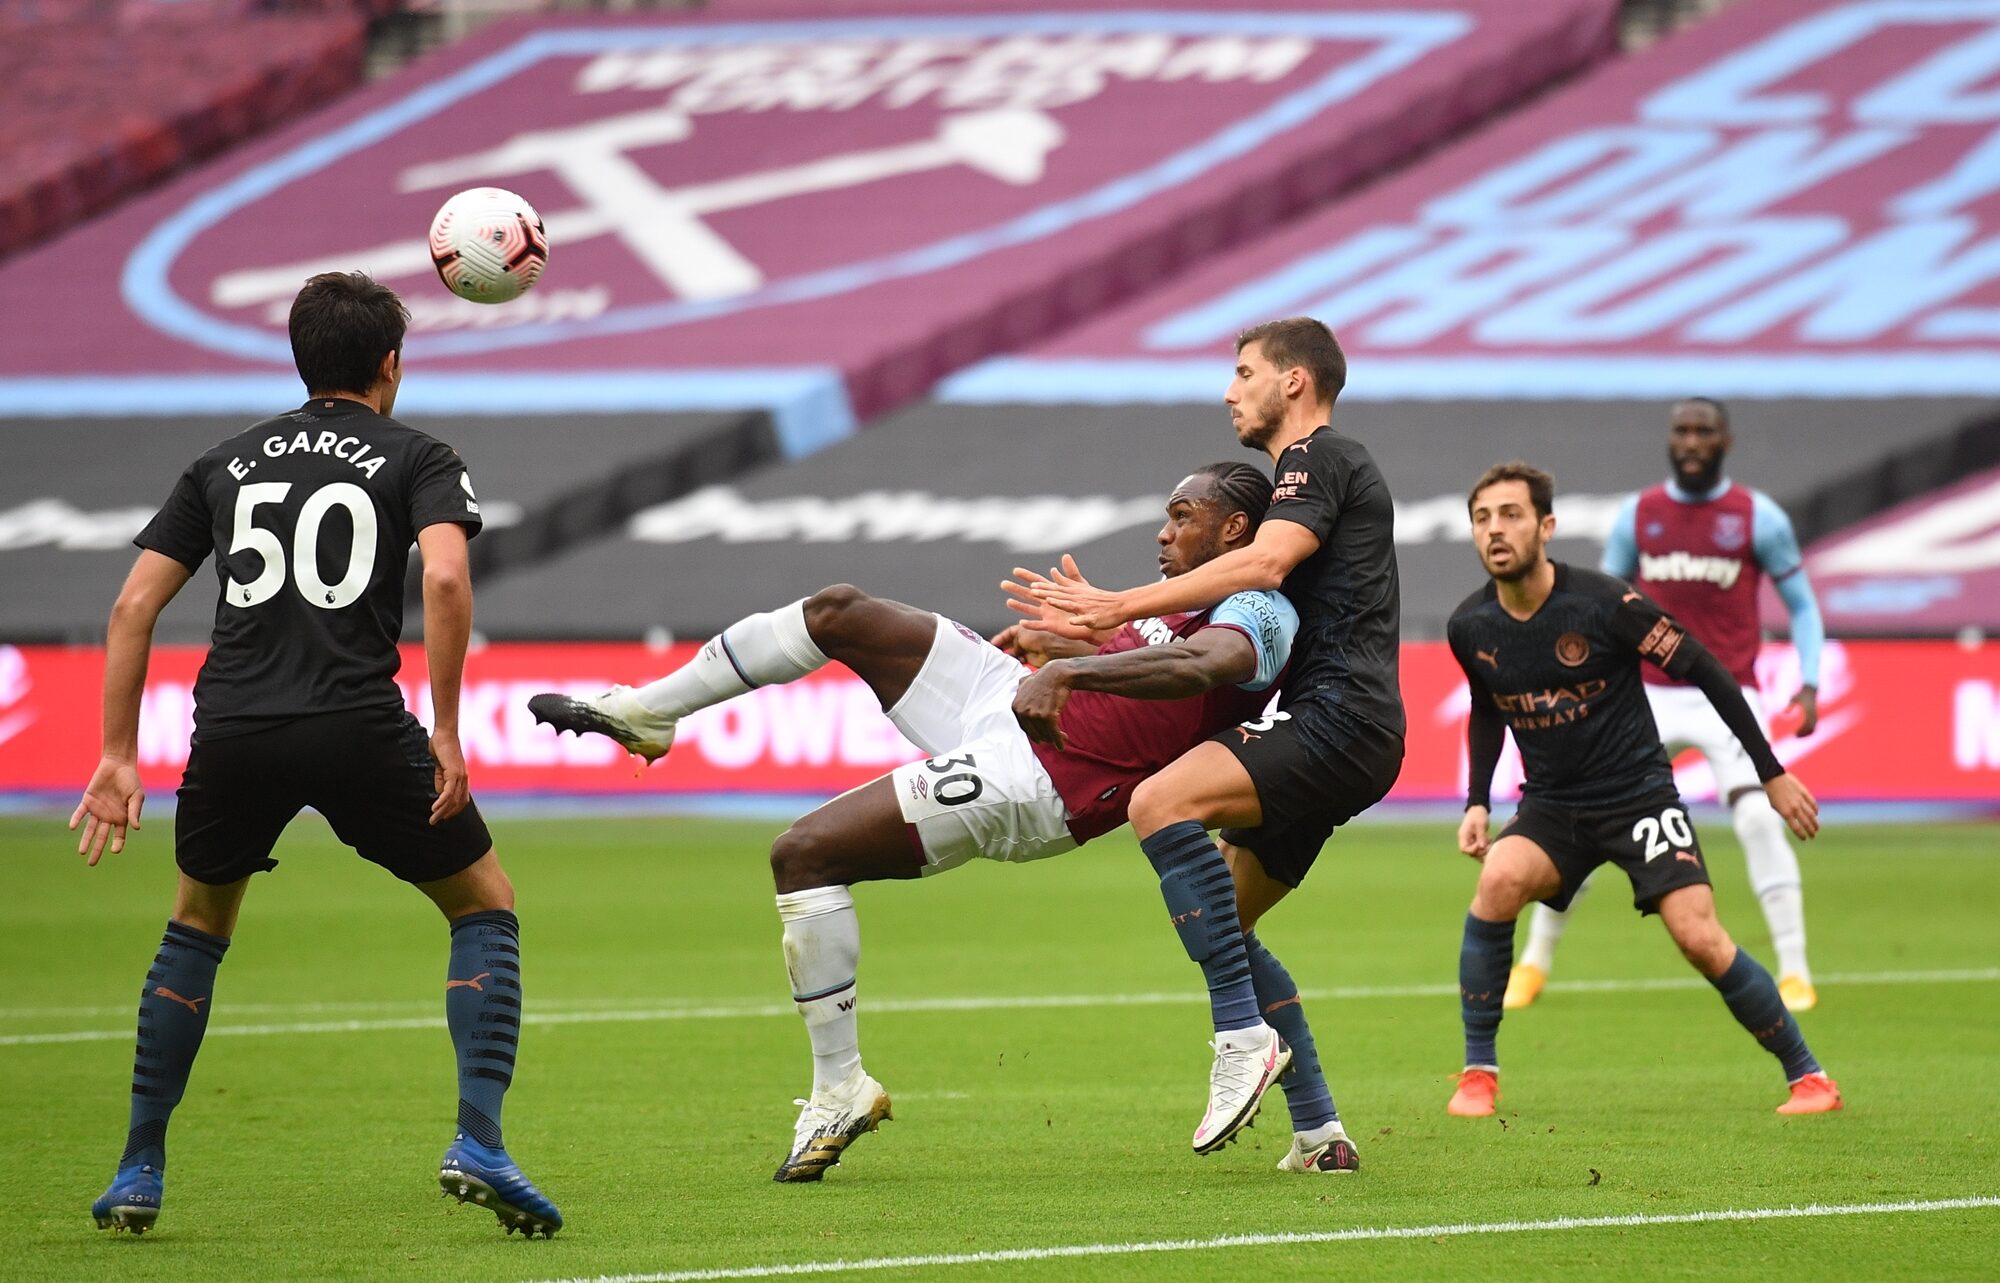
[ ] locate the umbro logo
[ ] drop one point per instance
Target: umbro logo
(1107, 794)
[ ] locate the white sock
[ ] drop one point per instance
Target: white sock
(759, 650)
(822, 953)
(1545, 932)
(1774, 876)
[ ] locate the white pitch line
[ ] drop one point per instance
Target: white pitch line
(1024, 1002)
(1360, 1235)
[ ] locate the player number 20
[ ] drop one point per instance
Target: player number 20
(1660, 835)
(251, 537)
(954, 787)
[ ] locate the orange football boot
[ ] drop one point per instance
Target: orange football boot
(1477, 1090)
(1813, 1094)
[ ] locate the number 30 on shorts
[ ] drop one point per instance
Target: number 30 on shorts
(955, 787)
(1670, 829)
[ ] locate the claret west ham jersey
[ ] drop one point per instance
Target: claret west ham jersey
(1115, 741)
(1702, 557)
(311, 516)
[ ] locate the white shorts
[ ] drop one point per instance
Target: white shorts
(964, 690)
(1687, 720)
(984, 793)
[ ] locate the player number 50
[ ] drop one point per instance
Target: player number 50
(251, 537)
(1661, 835)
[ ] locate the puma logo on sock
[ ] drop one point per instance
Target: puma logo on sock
(192, 1004)
(472, 984)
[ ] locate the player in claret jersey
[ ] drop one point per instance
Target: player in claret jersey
(1554, 653)
(1026, 764)
(1699, 544)
(311, 516)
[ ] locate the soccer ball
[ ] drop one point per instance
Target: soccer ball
(488, 245)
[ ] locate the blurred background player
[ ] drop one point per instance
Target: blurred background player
(1025, 765)
(1699, 544)
(297, 706)
(1279, 787)
(1554, 654)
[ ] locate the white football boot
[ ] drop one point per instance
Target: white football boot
(617, 713)
(1248, 1062)
(829, 1123)
(1323, 1149)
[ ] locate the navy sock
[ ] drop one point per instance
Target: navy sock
(173, 1015)
(1484, 959)
(1201, 900)
(1307, 1095)
(1753, 999)
(482, 1007)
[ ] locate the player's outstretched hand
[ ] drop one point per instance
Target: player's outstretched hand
(1038, 706)
(1472, 839)
(454, 790)
(1793, 800)
(111, 804)
(1082, 603)
(1042, 617)
(1807, 702)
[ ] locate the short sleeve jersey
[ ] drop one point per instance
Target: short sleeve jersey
(310, 516)
(1116, 741)
(1702, 559)
(1347, 592)
(1567, 682)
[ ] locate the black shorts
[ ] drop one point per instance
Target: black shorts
(1652, 840)
(369, 771)
(1314, 770)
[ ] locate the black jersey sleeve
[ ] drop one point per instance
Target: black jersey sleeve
(1308, 487)
(183, 527)
(441, 490)
(1485, 729)
(1485, 734)
(1638, 622)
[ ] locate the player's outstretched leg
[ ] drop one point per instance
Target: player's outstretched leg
(1319, 1142)
(884, 642)
(1201, 901)
(1774, 876)
(1752, 996)
(759, 650)
(482, 1005)
(173, 1015)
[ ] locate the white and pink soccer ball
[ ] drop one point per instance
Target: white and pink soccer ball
(488, 245)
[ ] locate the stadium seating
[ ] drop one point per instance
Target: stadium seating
(105, 98)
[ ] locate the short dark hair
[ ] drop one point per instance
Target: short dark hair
(1541, 486)
(343, 324)
(1239, 488)
(1301, 340)
(1721, 410)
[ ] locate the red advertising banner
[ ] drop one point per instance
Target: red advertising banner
(1902, 721)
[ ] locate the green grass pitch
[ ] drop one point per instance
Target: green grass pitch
(658, 1069)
